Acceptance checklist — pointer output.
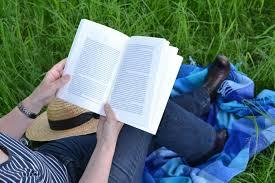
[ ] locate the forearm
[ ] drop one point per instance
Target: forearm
(16, 123)
(98, 168)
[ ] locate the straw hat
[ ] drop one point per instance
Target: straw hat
(61, 120)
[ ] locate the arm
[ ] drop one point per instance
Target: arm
(15, 123)
(100, 163)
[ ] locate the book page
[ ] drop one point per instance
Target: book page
(159, 103)
(159, 84)
(132, 89)
(92, 64)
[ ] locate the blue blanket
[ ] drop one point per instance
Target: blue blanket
(250, 122)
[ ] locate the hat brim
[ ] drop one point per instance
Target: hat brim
(40, 129)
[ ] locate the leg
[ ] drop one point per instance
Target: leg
(73, 152)
(128, 161)
(184, 133)
(131, 151)
(196, 102)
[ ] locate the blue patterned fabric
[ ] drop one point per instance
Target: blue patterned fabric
(250, 122)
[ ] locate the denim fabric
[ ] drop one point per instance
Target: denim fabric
(180, 130)
(129, 158)
(180, 126)
(73, 152)
(196, 102)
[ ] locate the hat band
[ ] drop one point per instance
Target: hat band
(66, 124)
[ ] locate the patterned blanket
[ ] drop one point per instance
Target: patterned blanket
(250, 122)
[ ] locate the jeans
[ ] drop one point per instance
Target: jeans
(180, 130)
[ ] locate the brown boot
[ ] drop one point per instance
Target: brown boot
(221, 138)
(217, 73)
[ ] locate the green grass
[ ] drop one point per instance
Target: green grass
(35, 34)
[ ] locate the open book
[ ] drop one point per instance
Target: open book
(135, 75)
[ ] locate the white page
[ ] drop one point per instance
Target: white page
(174, 64)
(92, 65)
(160, 82)
(132, 89)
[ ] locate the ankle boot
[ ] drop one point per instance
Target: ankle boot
(217, 73)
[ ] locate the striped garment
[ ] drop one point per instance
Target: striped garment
(25, 165)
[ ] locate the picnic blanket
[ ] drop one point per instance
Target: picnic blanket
(250, 122)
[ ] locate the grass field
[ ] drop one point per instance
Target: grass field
(35, 34)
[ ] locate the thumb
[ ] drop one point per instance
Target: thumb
(61, 81)
(109, 112)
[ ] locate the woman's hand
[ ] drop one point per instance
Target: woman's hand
(47, 89)
(99, 166)
(108, 128)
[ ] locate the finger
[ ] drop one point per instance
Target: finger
(59, 66)
(61, 81)
(109, 112)
(53, 75)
